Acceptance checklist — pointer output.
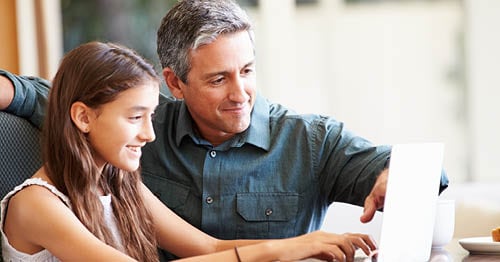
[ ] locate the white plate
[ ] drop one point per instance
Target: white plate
(480, 245)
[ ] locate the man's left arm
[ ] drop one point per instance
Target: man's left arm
(349, 164)
(353, 170)
(375, 200)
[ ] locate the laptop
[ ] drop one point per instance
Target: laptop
(410, 202)
(404, 230)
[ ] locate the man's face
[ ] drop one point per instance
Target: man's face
(221, 86)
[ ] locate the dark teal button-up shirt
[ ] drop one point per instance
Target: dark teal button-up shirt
(274, 180)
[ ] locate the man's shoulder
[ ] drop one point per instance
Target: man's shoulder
(279, 113)
(168, 102)
(167, 108)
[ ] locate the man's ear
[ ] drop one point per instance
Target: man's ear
(173, 82)
(81, 116)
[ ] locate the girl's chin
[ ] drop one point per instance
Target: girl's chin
(130, 167)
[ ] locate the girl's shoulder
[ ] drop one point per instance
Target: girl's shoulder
(37, 203)
(28, 200)
(36, 189)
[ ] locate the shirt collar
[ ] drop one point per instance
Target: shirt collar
(258, 134)
(184, 124)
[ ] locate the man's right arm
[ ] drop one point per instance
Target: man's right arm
(6, 92)
(24, 96)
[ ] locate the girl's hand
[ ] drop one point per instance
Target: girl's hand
(325, 246)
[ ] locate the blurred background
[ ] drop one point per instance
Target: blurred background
(394, 71)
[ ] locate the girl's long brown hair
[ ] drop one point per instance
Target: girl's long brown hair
(95, 73)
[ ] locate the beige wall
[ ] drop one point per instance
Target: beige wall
(9, 50)
(31, 33)
(483, 79)
(390, 71)
(394, 72)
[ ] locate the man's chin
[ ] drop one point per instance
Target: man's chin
(239, 127)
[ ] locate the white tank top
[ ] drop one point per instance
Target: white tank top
(9, 253)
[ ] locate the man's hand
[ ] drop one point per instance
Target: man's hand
(375, 199)
(6, 92)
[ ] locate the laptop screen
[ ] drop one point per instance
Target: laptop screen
(410, 202)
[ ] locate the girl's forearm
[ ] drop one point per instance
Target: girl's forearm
(249, 251)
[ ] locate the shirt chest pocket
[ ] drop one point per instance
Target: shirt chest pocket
(265, 215)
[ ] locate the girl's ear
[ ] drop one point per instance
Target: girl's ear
(173, 82)
(81, 115)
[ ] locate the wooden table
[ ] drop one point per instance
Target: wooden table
(453, 252)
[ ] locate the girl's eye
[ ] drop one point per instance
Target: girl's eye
(135, 117)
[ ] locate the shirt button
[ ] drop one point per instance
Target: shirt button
(213, 153)
(269, 211)
(209, 200)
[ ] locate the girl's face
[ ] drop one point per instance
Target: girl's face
(119, 129)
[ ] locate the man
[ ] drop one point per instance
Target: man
(225, 159)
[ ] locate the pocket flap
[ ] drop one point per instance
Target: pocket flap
(267, 206)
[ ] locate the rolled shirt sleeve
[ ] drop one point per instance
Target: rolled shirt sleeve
(30, 97)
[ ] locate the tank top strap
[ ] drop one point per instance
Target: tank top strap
(40, 182)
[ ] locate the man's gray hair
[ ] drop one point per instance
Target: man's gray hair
(192, 23)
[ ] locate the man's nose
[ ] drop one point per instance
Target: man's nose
(237, 92)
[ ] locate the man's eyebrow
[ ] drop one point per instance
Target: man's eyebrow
(211, 74)
(251, 63)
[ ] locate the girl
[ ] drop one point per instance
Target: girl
(88, 203)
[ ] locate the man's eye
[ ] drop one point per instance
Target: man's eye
(218, 81)
(248, 71)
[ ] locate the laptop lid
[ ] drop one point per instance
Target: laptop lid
(410, 202)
